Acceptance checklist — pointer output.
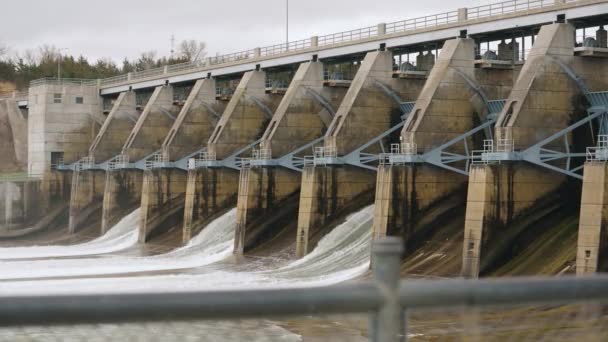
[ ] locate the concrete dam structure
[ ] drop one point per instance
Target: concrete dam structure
(479, 136)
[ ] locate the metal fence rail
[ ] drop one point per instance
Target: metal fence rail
(507, 7)
(63, 81)
(385, 299)
(422, 22)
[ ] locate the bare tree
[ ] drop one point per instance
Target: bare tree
(192, 50)
(3, 50)
(48, 53)
(146, 61)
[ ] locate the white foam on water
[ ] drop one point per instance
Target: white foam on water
(122, 236)
(213, 244)
(341, 255)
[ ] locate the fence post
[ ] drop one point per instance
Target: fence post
(463, 14)
(388, 324)
(314, 41)
(381, 29)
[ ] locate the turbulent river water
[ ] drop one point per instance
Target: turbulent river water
(96, 266)
(341, 255)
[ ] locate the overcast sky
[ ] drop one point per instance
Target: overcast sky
(124, 28)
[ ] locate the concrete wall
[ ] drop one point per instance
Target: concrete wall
(328, 193)
(268, 196)
(65, 127)
(153, 125)
(365, 112)
(122, 195)
(164, 190)
(541, 102)
(544, 100)
(17, 118)
(86, 197)
(88, 186)
(195, 122)
(407, 197)
(10, 162)
(123, 188)
(32, 205)
(497, 196)
(162, 201)
(116, 129)
(243, 121)
(299, 118)
(210, 192)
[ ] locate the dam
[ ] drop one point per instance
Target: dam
(479, 137)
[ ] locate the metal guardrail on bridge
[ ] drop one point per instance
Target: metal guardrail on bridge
(431, 21)
(385, 299)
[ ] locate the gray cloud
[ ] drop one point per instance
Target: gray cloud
(118, 29)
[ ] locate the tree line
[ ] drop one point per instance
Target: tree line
(21, 68)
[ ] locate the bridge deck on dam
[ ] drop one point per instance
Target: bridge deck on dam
(482, 20)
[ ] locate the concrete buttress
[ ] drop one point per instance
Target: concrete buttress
(213, 190)
(88, 185)
(269, 195)
(330, 192)
(544, 100)
(414, 200)
(122, 192)
(164, 189)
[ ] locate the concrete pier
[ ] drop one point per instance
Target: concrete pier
(213, 190)
(544, 100)
(86, 197)
(329, 192)
(121, 195)
(592, 244)
(88, 185)
(269, 195)
(122, 192)
(414, 200)
(164, 189)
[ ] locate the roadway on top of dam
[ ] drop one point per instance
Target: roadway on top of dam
(519, 14)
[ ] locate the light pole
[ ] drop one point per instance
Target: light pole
(287, 24)
(59, 63)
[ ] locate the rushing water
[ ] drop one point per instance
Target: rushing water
(122, 236)
(341, 255)
(214, 243)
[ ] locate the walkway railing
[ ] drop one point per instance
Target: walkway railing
(385, 299)
(437, 20)
(17, 95)
(507, 7)
(54, 81)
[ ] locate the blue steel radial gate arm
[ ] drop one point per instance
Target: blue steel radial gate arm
(438, 156)
(539, 154)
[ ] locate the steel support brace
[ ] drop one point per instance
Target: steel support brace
(360, 159)
(539, 155)
(441, 158)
